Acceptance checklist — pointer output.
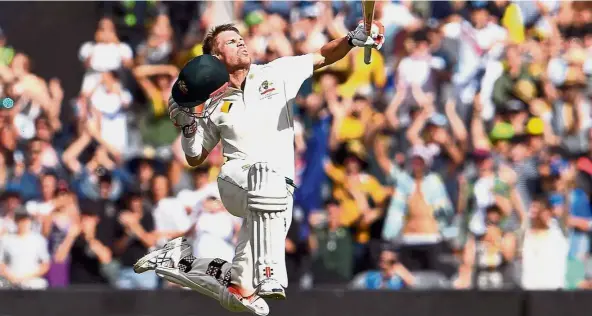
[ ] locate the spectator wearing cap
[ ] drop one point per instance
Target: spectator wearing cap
(134, 236)
(431, 129)
(420, 210)
(91, 256)
(61, 229)
(487, 254)
(361, 196)
(24, 257)
(331, 245)
(390, 275)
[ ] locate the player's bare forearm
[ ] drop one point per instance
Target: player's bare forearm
(331, 52)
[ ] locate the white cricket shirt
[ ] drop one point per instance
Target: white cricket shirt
(257, 124)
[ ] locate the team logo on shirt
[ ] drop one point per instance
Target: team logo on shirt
(182, 86)
(266, 88)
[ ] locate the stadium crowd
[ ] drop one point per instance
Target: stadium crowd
(459, 158)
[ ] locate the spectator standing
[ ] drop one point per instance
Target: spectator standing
(487, 256)
(331, 244)
(545, 248)
(105, 53)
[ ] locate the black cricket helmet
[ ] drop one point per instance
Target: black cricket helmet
(202, 82)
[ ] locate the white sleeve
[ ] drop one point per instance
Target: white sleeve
(209, 132)
(85, 51)
(296, 70)
(125, 51)
(126, 97)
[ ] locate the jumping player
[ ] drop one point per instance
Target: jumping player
(248, 108)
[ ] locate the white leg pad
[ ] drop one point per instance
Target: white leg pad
(267, 201)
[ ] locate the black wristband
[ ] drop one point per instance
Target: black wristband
(189, 130)
(350, 40)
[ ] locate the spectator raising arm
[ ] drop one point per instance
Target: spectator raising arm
(478, 133)
(70, 156)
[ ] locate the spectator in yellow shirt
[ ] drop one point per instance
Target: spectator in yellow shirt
(360, 194)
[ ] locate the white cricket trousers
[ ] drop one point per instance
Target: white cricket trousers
(233, 184)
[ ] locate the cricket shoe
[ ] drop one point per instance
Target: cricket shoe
(254, 304)
(167, 256)
(271, 289)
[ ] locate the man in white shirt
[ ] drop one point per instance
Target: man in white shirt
(24, 258)
(544, 250)
(249, 110)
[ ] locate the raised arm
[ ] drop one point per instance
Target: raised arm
(338, 48)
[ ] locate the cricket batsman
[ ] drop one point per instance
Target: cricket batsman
(222, 96)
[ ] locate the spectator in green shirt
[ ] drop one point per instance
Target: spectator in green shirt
(331, 245)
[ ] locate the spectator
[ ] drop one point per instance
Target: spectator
(331, 244)
(420, 212)
(91, 257)
(135, 235)
(545, 248)
(61, 228)
(105, 53)
(392, 275)
(159, 46)
(360, 194)
(170, 217)
(155, 126)
(25, 259)
(108, 102)
(203, 188)
(487, 256)
(11, 201)
(215, 231)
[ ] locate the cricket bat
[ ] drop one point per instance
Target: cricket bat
(368, 12)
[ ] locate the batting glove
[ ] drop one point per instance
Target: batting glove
(182, 118)
(359, 38)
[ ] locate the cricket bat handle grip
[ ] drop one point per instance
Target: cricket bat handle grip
(367, 55)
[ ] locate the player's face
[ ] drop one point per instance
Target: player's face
(232, 50)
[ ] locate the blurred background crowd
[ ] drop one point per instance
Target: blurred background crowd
(460, 158)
